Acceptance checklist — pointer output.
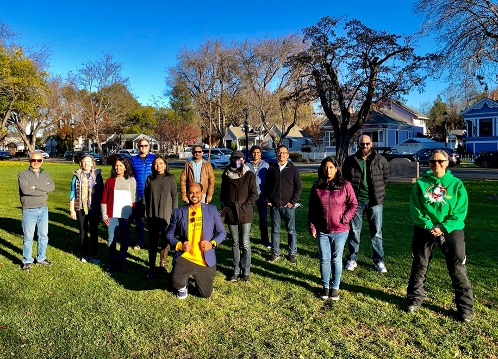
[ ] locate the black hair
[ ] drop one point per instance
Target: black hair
(255, 147)
(166, 170)
(337, 181)
(128, 170)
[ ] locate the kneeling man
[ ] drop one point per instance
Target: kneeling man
(199, 230)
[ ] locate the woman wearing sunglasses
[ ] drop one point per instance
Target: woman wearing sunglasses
(438, 208)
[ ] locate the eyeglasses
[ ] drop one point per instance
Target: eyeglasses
(282, 153)
(39, 160)
(196, 152)
(365, 144)
(433, 162)
(143, 146)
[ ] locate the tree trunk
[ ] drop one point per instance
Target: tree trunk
(342, 146)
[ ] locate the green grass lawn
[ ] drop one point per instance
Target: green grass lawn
(78, 310)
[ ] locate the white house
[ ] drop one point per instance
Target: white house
(412, 145)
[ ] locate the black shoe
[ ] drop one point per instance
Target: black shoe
(412, 308)
(26, 266)
(234, 278)
(273, 258)
(334, 294)
(465, 317)
(246, 278)
(45, 263)
(292, 258)
(163, 270)
(325, 293)
(150, 274)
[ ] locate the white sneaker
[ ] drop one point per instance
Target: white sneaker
(350, 265)
(182, 293)
(381, 267)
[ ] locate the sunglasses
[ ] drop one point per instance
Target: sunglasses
(365, 144)
(143, 146)
(192, 219)
(433, 162)
(196, 151)
(39, 160)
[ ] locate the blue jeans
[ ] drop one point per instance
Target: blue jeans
(330, 248)
(241, 241)
(32, 218)
(124, 230)
(374, 216)
(288, 215)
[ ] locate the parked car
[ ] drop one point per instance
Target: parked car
(68, 155)
(424, 154)
(487, 159)
(266, 155)
(223, 152)
(132, 152)
(391, 153)
(43, 153)
(216, 161)
(79, 154)
(112, 157)
(5, 155)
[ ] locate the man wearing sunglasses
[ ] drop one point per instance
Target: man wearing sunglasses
(34, 186)
(142, 168)
(368, 173)
(200, 171)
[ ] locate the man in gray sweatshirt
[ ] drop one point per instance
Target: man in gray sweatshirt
(34, 186)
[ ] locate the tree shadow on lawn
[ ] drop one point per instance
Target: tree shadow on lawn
(12, 226)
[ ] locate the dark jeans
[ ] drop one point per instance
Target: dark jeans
(88, 225)
(203, 276)
(263, 220)
(157, 234)
(278, 214)
(453, 249)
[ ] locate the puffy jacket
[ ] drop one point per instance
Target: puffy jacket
(379, 173)
(330, 211)
(141, 170)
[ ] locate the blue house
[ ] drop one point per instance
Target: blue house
(481, 122)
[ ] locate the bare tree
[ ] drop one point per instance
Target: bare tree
(348, 74)
(100, 86)
(467, 33)
(274, 91)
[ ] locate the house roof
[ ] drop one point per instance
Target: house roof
(479, 105)
(407, 108)
(385, 117)
(417, 140)
(295, 132)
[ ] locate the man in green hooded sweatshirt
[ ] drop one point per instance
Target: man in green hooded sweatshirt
(438, 208)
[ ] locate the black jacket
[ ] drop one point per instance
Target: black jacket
(377, 179)
(237, 195)
(282, 187)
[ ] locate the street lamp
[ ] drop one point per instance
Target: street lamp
(72, 135)
(445, 114)
(246, 128)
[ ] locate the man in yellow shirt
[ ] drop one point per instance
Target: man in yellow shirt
(199, 230)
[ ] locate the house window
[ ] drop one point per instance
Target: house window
(470, 128)
(290, 143)
(374, 136)
(329, 139)
(485, 127)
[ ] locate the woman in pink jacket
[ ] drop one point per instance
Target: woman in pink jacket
(332, 205)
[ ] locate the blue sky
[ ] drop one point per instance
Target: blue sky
(146, 36)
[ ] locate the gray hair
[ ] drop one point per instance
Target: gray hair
(441, 152)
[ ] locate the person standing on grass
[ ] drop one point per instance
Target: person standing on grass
(142, 168)
(84, 206)
(238, 194)
(194, 232)
(332, 205)
(260, 167)
(438, 207)
(282, 191)
(34, 186)
(368, 172)
(118, 202)
(159, 201)
(197, 171)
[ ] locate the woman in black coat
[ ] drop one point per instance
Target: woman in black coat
(238, 194)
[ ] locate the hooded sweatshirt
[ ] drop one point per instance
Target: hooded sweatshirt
(442, 201)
